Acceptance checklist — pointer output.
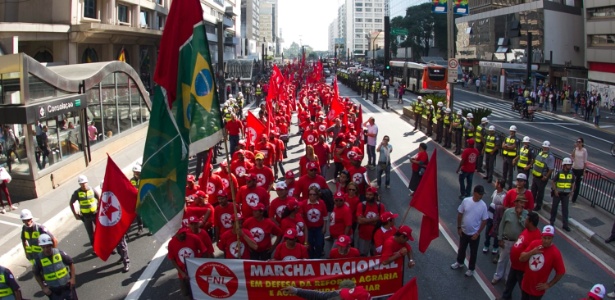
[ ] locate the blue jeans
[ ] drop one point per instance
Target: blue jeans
(371, 155)
(233, 141)
(316, 241)
(387, 173)
(465, 183)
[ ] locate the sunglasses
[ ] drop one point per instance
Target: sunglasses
(338, 200)
(313, 194)
(312, 170)
(351, 189)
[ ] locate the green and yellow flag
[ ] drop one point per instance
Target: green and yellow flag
(185, 117)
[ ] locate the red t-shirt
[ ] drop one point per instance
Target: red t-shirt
(352, 253)
(224, 178)
(247, 154)
(322, 151)
(282, 252)
(264, 176)
(204, 237)
(199, 212)
(291, 188)
(321, 128)
(302, 186)
(420, 156)
(353, 203)
(313, 213)
(277, 206)
(511, 195)
(268, 150)
(340, 218)
(380, 236)
(249, 198)
(223, 216)
(211, 187)
(239, 168)
(234, 127)
(539, 267)
(191, 247)
(310, 137)
(303, 165)
(469, 155)
(524, 239)
(391, 246)
(279, 148)
(297, 223)
(192, 190)
(366, 231)
(356, 175)
(262, 232)
(228, 244)
(349, 154)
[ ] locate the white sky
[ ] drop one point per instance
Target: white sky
(307, 21)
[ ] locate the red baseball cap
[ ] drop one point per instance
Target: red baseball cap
(406, 231)
(357, 293)
(339, 195)
(193, 219)
(372, 190)
(292, 204)
(290, 233)
(290, 175)
(250, 176)
(200, 193)
(343, 241)
(260, 206)
(191, 178)
(358, 157)
(236, 217)
(222, 193)
(182, 230)
(387, 216)
(312, 166)
(470, 141)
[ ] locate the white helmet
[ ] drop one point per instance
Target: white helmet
(567, 161)
(447, 110)
(44, 240)
(429, 101)
(470, 116)
(459, 112)
(240, 94)
(82, 179)
(440, 104)
(546, 144)
(419, 98)
(526, 139)
(136, 168)
(484, 120)
(258, 85)
(491, 128)
(26, 214)
(384, 87)
(513, 128)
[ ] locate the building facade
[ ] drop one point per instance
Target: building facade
(341, 29)
(250, 29)
(600, 41)
(398, 8)
(362, 18)
(269, 25)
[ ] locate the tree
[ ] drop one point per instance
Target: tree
(423, 27)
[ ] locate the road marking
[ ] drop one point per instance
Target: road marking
(593, 136)
(148, 274)
(9, 223)
(530, 123)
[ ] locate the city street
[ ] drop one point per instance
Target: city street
(153, 277)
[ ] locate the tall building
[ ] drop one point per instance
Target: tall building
(228, 13)
(250, 29)
(600, 37)
(269, 25)
(362, 18)
(398, 7)
(333, 36)
(341, 29)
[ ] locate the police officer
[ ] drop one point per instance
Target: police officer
(359, 85)
(30, 232)
(481, 132)
(375, 90)
(259, 94)
(542, 169)
(9, 288)
(562, 185)
(525, 157)
(54, 271)
(439, 121)
(429, 110)
(490, 151)
(366, 88)
(385, 97)
(468, 128)
(509, 152)
(419, 108)
(457, 127)
(136, 177)
(447, 121)
(88, 201)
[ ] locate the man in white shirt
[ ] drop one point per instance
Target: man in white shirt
(372, 135)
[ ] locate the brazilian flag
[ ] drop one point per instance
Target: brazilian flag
(185, 117)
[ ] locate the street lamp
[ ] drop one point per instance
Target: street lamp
(374, 54)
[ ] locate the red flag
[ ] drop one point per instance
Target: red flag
(358, 125)
(275, 83)
(254, 128)
(425, 200)
(207, 165)
(336, 107)
(409, 291)
(116, 210)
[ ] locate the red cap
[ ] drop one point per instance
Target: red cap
(406, 231)
(372, 189)
(342, 144)
(200, 193)
(352, 138)
(290, 233)
(236, 217)
(357, 293)
(242, 142)
(222, 193)
(343, 241)
(290, 175)
(191, 178)
(387, 216)
(470, 141)
(193, 219)
(292, 204)
(311, 166)
(260, 206)
(339, 195)
(358, 157)
(182, 230)
(224, 163)
(250, 176)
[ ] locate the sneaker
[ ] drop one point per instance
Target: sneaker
(456, 266)
(469, 273)
(126, 268)
(13, 207)
(2, 211)
(611, 295)
(485, 250)
(494, 251)
(494, 281)
(566, 228)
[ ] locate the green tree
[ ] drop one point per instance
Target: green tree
(423, 27)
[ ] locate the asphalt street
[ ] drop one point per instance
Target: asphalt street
(585, 264)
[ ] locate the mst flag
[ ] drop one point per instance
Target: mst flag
(185, 117)
(409, 291)
(116, 212)
(425, 200)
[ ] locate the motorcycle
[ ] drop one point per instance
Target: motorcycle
(528, 112)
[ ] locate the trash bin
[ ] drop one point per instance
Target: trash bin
(566, 106)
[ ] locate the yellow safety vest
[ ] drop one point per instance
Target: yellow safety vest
(523, 157)
(447, 119)
(457, 120)
(564, 182)
(87, 201)
(54, 270)
(479, 134)
(135, 182)
(418, 108)
(512, 152)
(468, 133)
(5, 290)
(259, 91)
(32, 238)
(489, 144)
(539, 164)
(384, 93)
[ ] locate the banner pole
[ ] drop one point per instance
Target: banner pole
(403, 221)
(228, 170)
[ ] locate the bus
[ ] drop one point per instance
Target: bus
(420, 78)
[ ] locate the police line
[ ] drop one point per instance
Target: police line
(248, 279)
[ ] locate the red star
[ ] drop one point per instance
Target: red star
(256, 234)
(252, 200)
(108, 210)
(536, 261)
(313, 216)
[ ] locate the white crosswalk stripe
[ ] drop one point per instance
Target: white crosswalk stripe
(500, 110)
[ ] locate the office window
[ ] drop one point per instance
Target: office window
(358, 20)
(368, 10)
(358, 9)
(377, 9)
(368, 20)
(358, 30)
(122, 13)
(358, 4)
(160, 21)
(89, 9)
(602, 39)
(601, 12)
(144, 19)
(378, 20)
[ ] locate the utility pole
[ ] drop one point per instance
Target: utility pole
(222, 87)
(528, 54)
(387, 46)
(450, 33)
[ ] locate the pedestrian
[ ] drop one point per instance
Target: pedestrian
(5, 179)
(134, 181)
(524, 158)
(382, 234)
(468, 128)
(541, 257)
(234, 129)
(597, 292)
(509, 152)
(579, 164)
(477, 82)
(511, 225)
(492, 145)
(314, 212)
(562, 186)
(11, 144)
(290, 249)
(263, 230)
(385, 97)
(466, 169)
(397, 246)
(343, 249)
(419, 109)
(430, 112)
(497, 199)
(597, 115)
(372, 135)
(384, 161)
(439, 121)
(419, 164)
(447, 128)
(471, 220)
(236, 242)
(340, 221)
(88, 209)
(43, 149)
(184, 244)
(481, 133)
(54, 271)
(457, 127)
(30, 232)
(368, 215)
(541, 171)
(9, 288)
(400, 94)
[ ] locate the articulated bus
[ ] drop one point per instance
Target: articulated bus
(420, 78)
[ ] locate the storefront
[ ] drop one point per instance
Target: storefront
(497, 78)
(59, 120)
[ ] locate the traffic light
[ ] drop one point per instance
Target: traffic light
(388, 67)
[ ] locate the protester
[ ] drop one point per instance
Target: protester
(419, 164)
(541, 258)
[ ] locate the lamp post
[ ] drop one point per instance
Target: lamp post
(374, 55)
(450, 31)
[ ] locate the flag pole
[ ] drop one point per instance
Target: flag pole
(403, 221)
(228, 170)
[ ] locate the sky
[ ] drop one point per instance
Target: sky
(307, 22)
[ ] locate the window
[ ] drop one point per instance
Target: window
(358, 9)
(160, 21)
(602, 40)
(601, 12)
(358, 20)
(89, 56)
(368, 5)
(89, 9)
(368, 10)
(378, 20)
(122, 13)
(358, 30)
(377, 9)
(159, 2)
(358, 35)
(358, 4)
(144, 19)
(368, 20)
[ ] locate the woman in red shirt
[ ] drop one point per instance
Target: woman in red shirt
(291, 218)
(307, 158)
(343, 250)
(290, 249)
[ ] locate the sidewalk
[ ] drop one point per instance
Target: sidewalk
(595, 224)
